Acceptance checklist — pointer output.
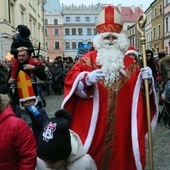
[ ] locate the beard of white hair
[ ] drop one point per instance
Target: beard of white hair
(110, 57)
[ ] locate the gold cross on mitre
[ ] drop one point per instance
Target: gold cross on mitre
(109, 16)
(24, 85)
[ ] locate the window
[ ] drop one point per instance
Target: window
(95, 31)
(56, 32)
(155, 12)
(67, 19)
(159, 31)
(67, 45)
(46, 43)
(153, 33)
(46, 32)
(67, 31)
(57, 45)
(88, 31)
(77, 19)
(151, 36)
(73, 31)
(87, 19)
(74, 46)
(46, 21)
(55, 21)
(166, 24)
(80, 31)
(160, 9)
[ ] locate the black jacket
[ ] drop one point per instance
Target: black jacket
(3, 83)
(18, 41)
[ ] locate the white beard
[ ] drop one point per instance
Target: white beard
(110, 57)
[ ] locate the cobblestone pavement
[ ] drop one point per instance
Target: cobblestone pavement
(160, 137)
(53, 104)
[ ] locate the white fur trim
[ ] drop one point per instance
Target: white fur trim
(78, 78)
(131, 51)
(134, 133)
(94, 118)
(95, 110)
(28, 98)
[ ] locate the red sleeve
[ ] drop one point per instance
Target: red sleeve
(25, 145)
(31, 61)
(15, 66)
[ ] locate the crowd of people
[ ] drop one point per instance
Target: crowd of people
(91, 130)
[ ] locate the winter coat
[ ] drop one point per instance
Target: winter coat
(57, 73)
(164, 64)
(78, 159)
(19, 41)
(34, 122)
(17, 142)
(3, 83)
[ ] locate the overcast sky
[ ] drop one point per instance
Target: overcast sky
(145, 3)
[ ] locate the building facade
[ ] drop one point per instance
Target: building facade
(27, 12)
(167, 26)
(78, 26)
(148, 28)
(54, 34)
(157, 40)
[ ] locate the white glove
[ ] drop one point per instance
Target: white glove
(94, 77)
(146, 73)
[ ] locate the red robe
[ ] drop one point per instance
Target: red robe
(112, 123)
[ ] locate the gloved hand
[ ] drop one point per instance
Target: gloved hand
(146, 73)
(33, 110)
(94, 77)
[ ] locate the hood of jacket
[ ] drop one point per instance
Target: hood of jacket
(4, 101)
(7, 112)
(77, 147)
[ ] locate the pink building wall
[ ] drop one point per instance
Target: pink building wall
(51, 38)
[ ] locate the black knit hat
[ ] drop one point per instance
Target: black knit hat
(54, 142)
(23, 30)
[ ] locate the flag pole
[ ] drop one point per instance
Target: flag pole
(140, 25)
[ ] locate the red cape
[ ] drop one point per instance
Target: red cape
(112, 125)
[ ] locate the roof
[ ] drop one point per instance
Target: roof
(128, 14)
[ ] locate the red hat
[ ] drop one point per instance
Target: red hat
(131, 50)
(109, 20)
